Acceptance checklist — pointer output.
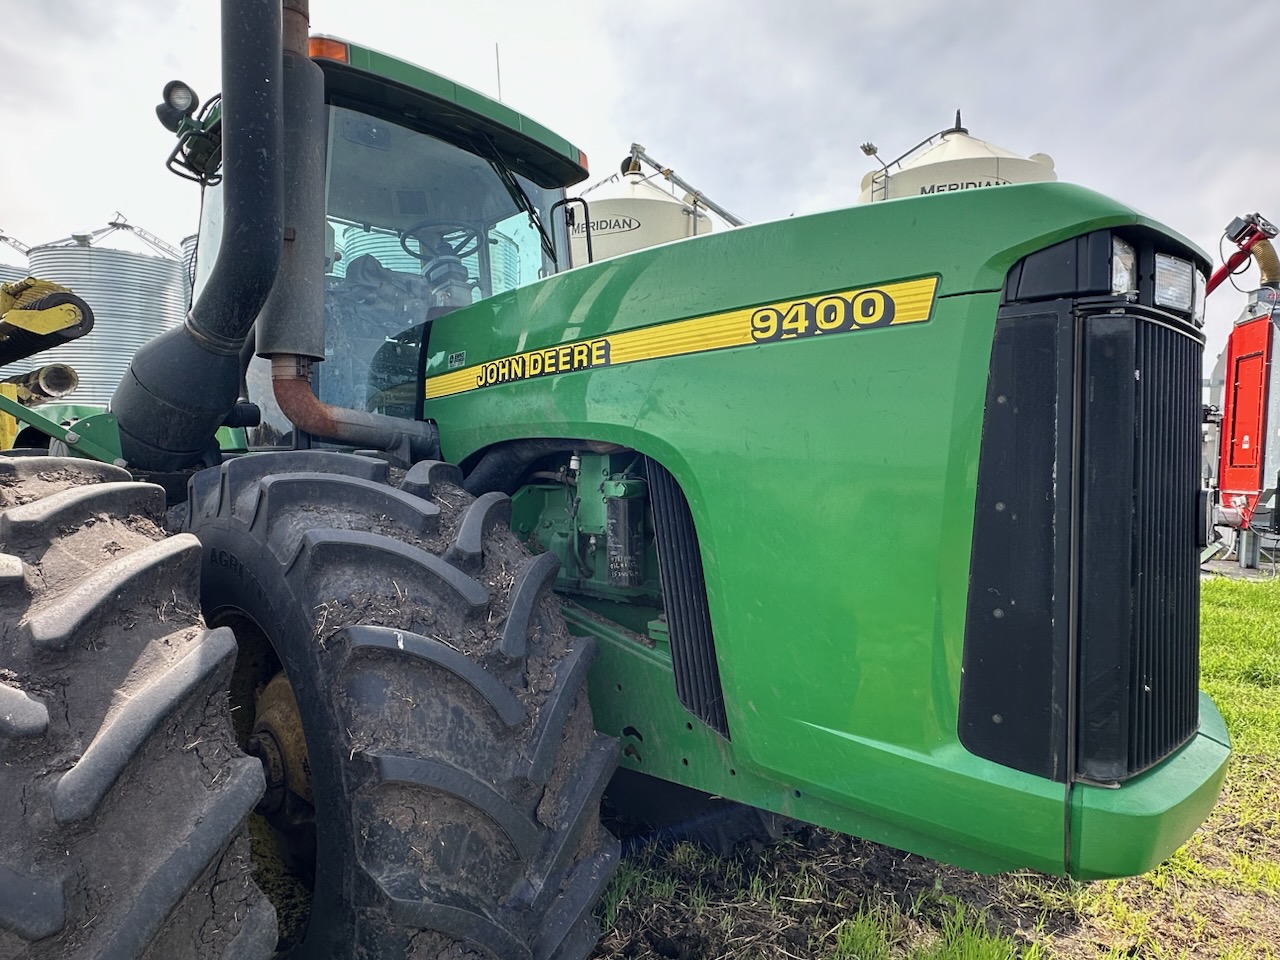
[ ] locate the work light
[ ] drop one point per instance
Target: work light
(180, 97)
(179, 101)
(1175, 283)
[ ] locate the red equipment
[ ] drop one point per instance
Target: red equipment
(1246, 233)
(1249, 448)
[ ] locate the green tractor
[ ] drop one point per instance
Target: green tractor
(883, 519)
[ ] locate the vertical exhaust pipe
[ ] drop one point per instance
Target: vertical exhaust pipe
(290, 329)
(181, 385)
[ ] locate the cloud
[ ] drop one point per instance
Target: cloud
(766, 104)
(762, 105)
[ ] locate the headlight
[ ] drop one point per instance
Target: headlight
(1197, 304)
(1175, 286)
(1124, 268)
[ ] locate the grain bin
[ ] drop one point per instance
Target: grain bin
(951, 160)
(385, 247)
(10, 272)
(630, 212)
(134, 297)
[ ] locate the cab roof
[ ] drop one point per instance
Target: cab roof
(403, 92)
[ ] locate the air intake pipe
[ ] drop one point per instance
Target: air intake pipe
(181, 385)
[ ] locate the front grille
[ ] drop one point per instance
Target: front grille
(1082, 635)
(1140, 626)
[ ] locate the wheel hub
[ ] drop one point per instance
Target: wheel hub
(277, 740)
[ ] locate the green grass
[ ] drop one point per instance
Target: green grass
(1218, 896)
(886, 933)
(821, 896)
(1240, 659)
(868, 935)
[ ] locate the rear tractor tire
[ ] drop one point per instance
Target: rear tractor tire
(124, 796)
(446, 802)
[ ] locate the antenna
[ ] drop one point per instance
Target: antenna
(497, 65)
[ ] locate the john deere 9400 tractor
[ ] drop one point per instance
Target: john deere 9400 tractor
(883, 519)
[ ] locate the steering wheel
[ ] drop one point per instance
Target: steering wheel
(465, 246)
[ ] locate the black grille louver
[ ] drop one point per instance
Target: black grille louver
(1102, 501)
(1167, 642)
(684, 594)
(1139, 572)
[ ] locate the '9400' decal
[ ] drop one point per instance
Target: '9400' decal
(865, 308)
(836, 313)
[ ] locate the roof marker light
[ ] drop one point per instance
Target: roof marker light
(327, 48)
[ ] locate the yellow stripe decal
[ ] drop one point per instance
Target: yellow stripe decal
(862, 309)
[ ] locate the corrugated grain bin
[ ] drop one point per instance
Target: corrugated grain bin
(10, 273)
(134, 296)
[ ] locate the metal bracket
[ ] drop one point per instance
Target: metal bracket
(96, 437)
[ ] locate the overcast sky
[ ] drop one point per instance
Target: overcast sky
(761, 104)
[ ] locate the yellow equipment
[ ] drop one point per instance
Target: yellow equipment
(36, 315)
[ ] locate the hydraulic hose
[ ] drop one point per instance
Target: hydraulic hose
(503, 466)
(1264, 254)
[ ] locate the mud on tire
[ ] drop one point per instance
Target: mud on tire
(455, 771)
(123, 792)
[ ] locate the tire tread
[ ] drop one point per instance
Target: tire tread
(108, 670)
(491, 740)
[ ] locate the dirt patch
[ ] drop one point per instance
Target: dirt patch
(1217, 897)
(18, 485)
(676, 900)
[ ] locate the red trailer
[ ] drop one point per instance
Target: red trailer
(1249, 450)
(1246, 401)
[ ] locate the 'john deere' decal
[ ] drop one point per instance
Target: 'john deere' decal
(866, 308)
(538, 363)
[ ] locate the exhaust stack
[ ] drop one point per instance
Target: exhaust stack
(181, 386)
(290, 329)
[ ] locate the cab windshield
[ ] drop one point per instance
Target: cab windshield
(415, 227)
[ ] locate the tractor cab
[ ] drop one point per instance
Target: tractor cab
(431, 203)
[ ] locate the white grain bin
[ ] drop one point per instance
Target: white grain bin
(953, 160)
(385, 247)
(10, 273)
(134, 297)
(346, 244)
(631, 213)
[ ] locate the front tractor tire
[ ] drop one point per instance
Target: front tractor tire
(447, 803)
(124, 796)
